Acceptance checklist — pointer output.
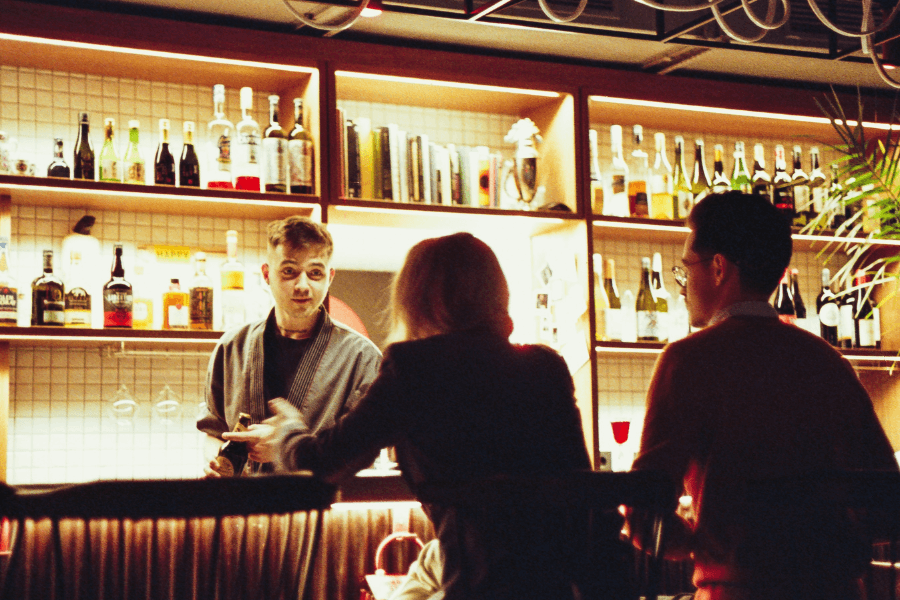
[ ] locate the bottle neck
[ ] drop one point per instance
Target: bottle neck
(219, 109)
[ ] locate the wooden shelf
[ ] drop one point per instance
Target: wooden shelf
(861, 356)
(131, 338)
(49, 192)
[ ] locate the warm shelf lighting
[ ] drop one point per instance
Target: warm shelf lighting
(508, 219)
(391, 505)
(628, 350)
(449, 84)
(734, 112)
(643, 226)
(834, 238)
(155, 53)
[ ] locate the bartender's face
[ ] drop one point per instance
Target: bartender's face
(699, 293)
(299, 280)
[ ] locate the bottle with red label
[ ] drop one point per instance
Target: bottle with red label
(118, 297)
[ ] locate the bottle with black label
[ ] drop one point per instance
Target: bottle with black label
(9, 289)
(829, 312)
(188, 166)
(48, 296)
(164, 163)
(118, 297)
(233, 455)
(201, 296)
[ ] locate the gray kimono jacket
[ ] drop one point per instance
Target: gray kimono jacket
(332, 376)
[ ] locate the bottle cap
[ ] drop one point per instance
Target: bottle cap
(109, 122)
(657, 262)
(298, 102)
(189, 127)
(134, 124)
(616, 133)
(164, 124)
(645, 262)
(200, 256)
(218, 93)
(273, 98)
(246, 98)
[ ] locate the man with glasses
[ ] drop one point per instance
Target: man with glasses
(750, 398)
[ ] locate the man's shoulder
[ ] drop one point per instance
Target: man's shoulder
(352, 340)
(239, 335)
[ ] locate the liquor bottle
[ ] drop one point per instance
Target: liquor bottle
(784, 300)
(118, 297)
(638, 168)
(799, 306)
(232, 273)
(661, 205)
(233, 455)
(48, 296)
(601, 300)
(818, 191)
(682, 195)
(836, 206)
(827, 308)
(58, 168)
(700, 183)
(616, 205)
(77, 298)
(645, 307)
(847, 324)
(220, 131)
(720, 183)
(134, 162)
(761, 180)
(274, 147)
(628, 317)
(614, 313)
(142, 306)
(803, 211)
(9, 289)
(164, 163)
(596, 179)
(782, 192)
(246, 147)
(188, 166)
(201, 296)
(109, 158)
(740, 177)
(864, 318)
(83, 161)
(176, 307)
(301, 154)
(658, 286)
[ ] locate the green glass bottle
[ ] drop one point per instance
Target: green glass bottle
(109, 158)
(134, 163)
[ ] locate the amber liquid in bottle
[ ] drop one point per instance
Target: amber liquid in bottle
(233, 455)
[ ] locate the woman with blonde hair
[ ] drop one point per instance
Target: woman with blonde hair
(459, 403)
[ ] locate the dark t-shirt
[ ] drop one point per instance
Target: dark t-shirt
(283, 355)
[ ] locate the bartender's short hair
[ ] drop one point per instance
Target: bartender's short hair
(749, 231)
(300, 233)
(449, 284)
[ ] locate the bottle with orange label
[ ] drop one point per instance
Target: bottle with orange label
(232, 273)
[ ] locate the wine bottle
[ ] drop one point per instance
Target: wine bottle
(118, 297)
(828, 311)
(818, 190)
(601, 300)
(761, 180)
(645, 307)
(838, 211)
(740, 177)
(109, 158)
(662, 296)
(720, 183)
(233, 455)
(201, 296)
(274, 147)
(176, 307)
(58, 168)
(9, 289)
(847, 324)
(134, 162)
(661, 204)
(77, 298)
(301, 154)
(799, 306)
(782, 192)
(803, 212)
(682, 195)
(700, 183)
(188, 166)
(48, 294)
(219, 133)
(596, 180)
(83, 162)
(246, 147)
(614, 312)
(784, 300)
(232, 274)
(164, 163)
(616, 205)
(638, 169)
(864, 322)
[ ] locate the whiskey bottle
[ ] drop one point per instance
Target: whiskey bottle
(301, 154)
(118, 297)
(9, 292)
(201, 296)
(58, 168)
(176, 307)
(48, 296)
(233, 455)
(232, 273)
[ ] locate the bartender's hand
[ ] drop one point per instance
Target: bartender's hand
(263, 439)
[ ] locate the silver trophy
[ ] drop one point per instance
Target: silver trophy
(522, 169)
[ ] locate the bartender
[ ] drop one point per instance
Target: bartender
(321, 366)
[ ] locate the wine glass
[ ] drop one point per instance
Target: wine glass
(621, 461)
(123, 408)
(167, 408)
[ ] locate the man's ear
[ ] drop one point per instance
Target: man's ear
(722, 269)
(265, 272)
(330, 276)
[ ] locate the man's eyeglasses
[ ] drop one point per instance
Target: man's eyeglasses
(680, 274)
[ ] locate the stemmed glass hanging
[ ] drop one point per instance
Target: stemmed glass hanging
(167, 408)
(122, 407)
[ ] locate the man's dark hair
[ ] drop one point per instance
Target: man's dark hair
(749, 231)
